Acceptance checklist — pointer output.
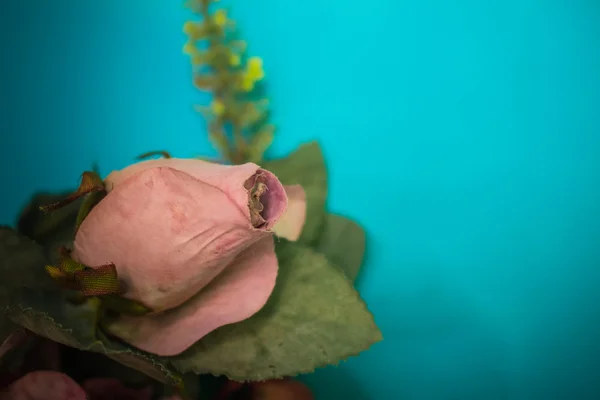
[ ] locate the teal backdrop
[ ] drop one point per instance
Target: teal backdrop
(463, 135)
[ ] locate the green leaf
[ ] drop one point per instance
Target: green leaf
(32, 300)
(82, 365)
(305, 166)
(51, 230)
(342, 241)
(314, 318)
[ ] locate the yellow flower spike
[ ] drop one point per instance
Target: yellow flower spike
(188, 27)
(197, 59)
(235, 59)
(194, 30)
(247, 83)
(220, 18)
(255, 68)
(190, 49)
(217, 107)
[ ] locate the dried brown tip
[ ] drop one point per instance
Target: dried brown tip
(256, 187)
(90, 183)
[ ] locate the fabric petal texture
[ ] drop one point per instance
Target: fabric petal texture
(292, 221)
(167, 233)
(228, 178)
(237, 294)
(193, 242)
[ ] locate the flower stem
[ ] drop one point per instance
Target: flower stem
(236, 122)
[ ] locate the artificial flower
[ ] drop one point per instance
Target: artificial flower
(38, 376)
(192, 241)
(44, 385)
(53, 385)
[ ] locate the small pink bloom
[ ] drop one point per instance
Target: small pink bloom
(44, 385)
(192, 241)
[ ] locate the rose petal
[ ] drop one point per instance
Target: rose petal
(228, 178)
(44, 385)
(168, 234)
(237, 294)
(110, 388)
(292, 221)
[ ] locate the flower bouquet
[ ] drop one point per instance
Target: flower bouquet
(185, 277)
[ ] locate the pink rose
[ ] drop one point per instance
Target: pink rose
(52, 385)
(44, 385)
(192, 241)
(37, 377)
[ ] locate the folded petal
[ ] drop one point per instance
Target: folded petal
(292, 221)
(228, 178)
(237, 294)
(44, 385)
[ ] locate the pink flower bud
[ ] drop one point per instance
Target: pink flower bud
(192, 241)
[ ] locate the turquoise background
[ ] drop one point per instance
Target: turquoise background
(463, 135)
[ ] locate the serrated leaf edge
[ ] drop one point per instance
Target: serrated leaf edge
(8, 310)
(377, 337)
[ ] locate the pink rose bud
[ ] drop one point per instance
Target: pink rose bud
(44, 385)
(192, 241)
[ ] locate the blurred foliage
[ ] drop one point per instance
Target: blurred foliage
(238, 115)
